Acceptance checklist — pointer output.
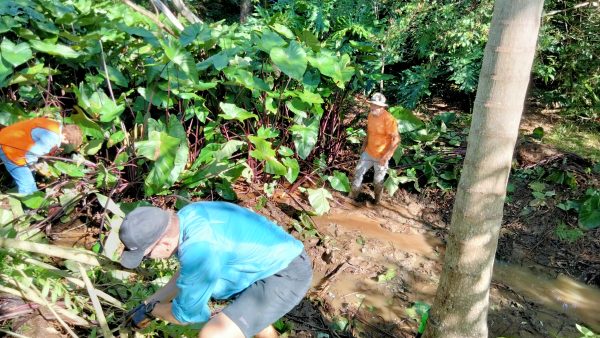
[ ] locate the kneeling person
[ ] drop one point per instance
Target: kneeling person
(225, 252)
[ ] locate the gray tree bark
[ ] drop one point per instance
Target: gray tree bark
(461, 303)
(245, 10)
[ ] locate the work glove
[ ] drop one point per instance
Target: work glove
(141, 316)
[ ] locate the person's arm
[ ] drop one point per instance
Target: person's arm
(164, 311)
(45, 142)
(394, 141)
(167, 292)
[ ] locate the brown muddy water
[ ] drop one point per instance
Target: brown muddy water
(562, 294)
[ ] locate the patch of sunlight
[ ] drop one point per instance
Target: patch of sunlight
(582, 141)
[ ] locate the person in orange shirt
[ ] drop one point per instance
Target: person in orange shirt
(379, 146)
(23, 142)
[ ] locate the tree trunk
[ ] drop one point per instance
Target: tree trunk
(462, 299)
(245, 10)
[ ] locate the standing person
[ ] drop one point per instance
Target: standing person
(225, 252)
(23, 142)
(378, 147)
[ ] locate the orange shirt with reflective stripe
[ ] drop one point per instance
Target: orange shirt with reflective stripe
(16, 139)
(380, 129)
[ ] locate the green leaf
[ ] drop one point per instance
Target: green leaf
(319, 200)
(225, 190)
(285, 151)
(292, 60)
(54, 49)
(283, 30)
(70, 169)
(156, 96)
(407, 121)
(160, 148)
(333, 66)
(537, 186)
(233, 112)
(198, 32)
(310, 97)
(228, 149)
(389, 274)
(116, 77)
(92, 147)
(538, 133)
(589, 213)
(115, 138)
(263, 151)
(15, 54)
(34, 200)
(293, 169)
(88, 126)
(270, 40)
(6, 70)
(339, 181)
(181, 57)
(305, 138)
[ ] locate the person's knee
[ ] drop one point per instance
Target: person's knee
(221, 326)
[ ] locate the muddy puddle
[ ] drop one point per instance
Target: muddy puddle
(370, 228)
(562, 294)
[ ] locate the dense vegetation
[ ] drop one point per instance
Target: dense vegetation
(270, 102)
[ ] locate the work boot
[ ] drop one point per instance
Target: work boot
(378, 192)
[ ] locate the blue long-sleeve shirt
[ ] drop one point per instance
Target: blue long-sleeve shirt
(223, 249)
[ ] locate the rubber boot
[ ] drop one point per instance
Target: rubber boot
(378, 192)
(354, 193)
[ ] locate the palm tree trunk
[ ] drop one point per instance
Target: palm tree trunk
(462, 299)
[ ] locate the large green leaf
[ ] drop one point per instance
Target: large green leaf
(54, 49)
(6, 70)
(339, 181)
(88, 126)
(181, 57)
(305, 138)
(263, 151)
(246, 79)
(233, 112)
(319, 200)
(589, 213)
(197, 32)
(293, 169)
(15, 54)
(333, 66)
(228, 149)
(292, 60)
(270, 40)
(162, 149)
(407, 121)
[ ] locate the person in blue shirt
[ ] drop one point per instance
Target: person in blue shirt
(225, 252)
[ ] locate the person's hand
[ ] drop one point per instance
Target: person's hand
(140, 316)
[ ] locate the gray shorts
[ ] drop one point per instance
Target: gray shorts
(267, 300)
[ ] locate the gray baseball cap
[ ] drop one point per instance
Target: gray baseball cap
(139, 230)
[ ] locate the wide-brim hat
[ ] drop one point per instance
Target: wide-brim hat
(378, 99)
(140, 229)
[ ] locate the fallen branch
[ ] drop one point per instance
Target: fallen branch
(163, 8)
(149, 15)
(95, 303)
(77, 255)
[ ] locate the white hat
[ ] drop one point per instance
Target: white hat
(378, 99)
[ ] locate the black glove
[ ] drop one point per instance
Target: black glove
(140, 316)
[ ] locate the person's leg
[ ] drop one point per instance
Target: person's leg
(220, 326)
(22, 175)
(268, 332)
(380, 171)
(364, 163)
(268, 299)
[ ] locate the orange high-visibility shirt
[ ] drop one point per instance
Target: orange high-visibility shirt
(17, 140)
(380, 130)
